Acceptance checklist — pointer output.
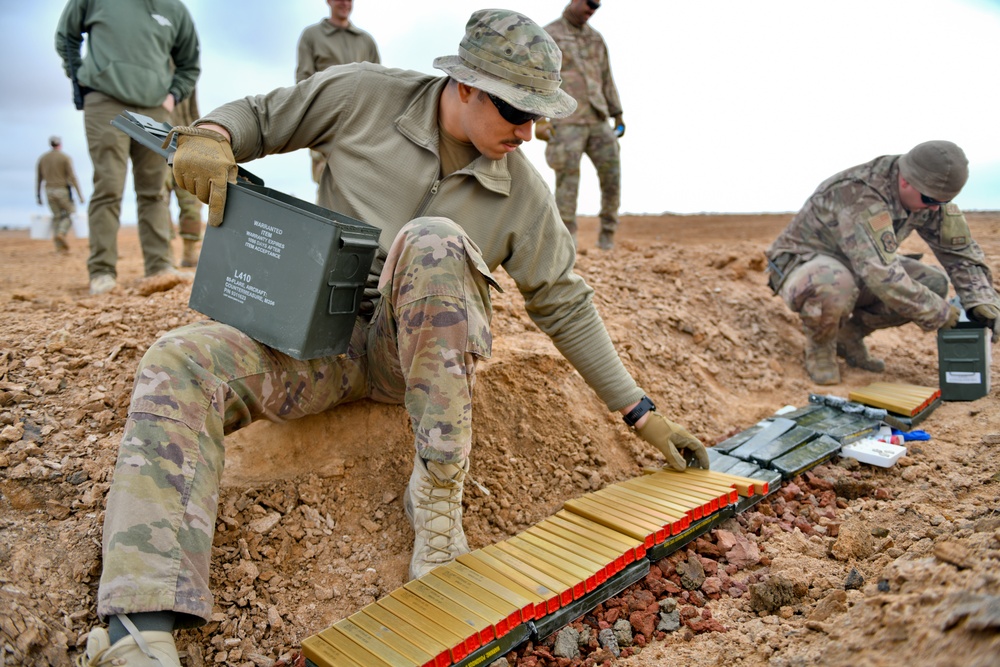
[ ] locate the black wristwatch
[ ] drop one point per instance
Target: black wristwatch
(645, 405)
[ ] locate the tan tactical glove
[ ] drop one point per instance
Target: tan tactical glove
(953, 316)
(204, 165)
(988, 314)
(678, 446)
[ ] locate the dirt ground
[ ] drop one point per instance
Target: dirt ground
(311, 526)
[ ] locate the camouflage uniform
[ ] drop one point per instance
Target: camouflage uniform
(429, 311)
(586, 75)
(55, 169)
(839, 257)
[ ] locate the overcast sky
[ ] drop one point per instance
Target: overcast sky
(731, 106)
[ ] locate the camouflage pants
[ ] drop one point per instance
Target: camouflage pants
(62, 208)
(825, 293)
(202, 381)
(189, 218)
(110, 151)
(563, 154)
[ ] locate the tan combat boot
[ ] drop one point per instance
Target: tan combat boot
(851, 346)
(821, 361)
(433, 504)
(606, 240)
(189, 255)
(149, 649)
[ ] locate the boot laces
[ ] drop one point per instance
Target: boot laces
(439, 507)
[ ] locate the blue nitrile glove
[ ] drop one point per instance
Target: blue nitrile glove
(912, 435)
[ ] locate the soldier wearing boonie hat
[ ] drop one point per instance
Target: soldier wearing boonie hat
(434, 163)
(837, 265)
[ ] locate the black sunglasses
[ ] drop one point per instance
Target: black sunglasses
(929, 201)
(512, 114)
(593, 5)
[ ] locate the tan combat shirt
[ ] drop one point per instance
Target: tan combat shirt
(586, 72)
(856, 217)
(324, 45)
(379, 129)
(55, 168)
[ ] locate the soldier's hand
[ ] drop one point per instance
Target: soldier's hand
(953, 314)
(619, 127)
(543, 129)
(204, 165)
(988, 314)
(678, 446)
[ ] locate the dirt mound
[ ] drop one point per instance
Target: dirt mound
(311, 527)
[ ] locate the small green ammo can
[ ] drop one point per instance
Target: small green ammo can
(964, 362)
(285, 272)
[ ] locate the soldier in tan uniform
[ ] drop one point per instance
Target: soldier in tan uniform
(464, 201)
(586, 76)
(332, 41)
(837, 263)
(55, 169)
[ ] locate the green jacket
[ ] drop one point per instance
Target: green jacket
(130, 46)
(379, 129)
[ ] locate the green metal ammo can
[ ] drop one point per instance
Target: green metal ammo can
(964, 362)
(285, 272)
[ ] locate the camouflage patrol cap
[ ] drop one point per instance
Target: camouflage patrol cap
(54, 140)
(509, 55)
(938, 169)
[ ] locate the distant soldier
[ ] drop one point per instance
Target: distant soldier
(189, 218)
(332, 41)
(836, 264)
(55, 169)
(586, 76)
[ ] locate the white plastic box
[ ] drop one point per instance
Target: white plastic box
(875, 452)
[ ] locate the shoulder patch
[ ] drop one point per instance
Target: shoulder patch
(883, 236)
(951, 208)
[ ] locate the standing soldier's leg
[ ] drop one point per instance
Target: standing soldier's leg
(603, 150)
(563, 154)
(109, 150)
(62, 209)
(149, 173)
(430, 327)
(189, 226)
(823, 292)
(870, 313)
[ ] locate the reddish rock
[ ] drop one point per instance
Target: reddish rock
(712, 586)
(790, 491)
(882, 494)
(640, 600)
(644, 622)
(710, 566)
(687, 612)
(725, 539)
(744, 554)
(612, 616)
(710, 625)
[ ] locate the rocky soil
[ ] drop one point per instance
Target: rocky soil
(847, 565)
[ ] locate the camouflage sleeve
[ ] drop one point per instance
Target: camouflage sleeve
(869, 242)
(948, 236)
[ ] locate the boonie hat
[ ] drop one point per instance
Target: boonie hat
(54, 140)
(509, 55)
(938, 169)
